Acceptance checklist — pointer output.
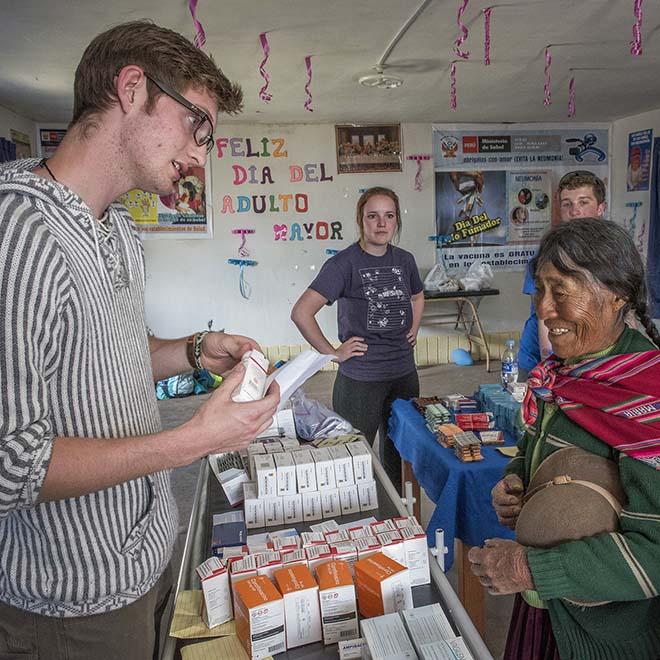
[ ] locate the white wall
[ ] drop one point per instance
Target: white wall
(620, 132)
(190, 282)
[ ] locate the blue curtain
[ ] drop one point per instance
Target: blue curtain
(653, 259)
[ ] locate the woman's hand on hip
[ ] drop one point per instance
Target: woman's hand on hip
(412, 338)
(501, 566)
(353, 347)
(507, 498)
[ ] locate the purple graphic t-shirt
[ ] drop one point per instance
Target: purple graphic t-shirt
(373, 295)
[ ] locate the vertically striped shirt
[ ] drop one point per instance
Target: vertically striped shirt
(74, 361)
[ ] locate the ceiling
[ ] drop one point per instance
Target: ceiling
(41, 42)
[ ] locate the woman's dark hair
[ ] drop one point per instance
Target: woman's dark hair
(604, 250)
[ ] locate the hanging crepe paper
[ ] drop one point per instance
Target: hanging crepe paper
(636, 43)
(487, 13)
(200, 36)
(264, 95)
(452, 86)
(308, 67)
(419, 158)
(571, 96)
(243, 286)
(464, 33)
(547, 92)
(242, 250)
(331, 251)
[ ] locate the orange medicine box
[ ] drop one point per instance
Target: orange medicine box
(259, 613)
(383, 585)
(337, 597)
(301, 605)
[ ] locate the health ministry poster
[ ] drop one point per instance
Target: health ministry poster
(639, 160)
(495, 189)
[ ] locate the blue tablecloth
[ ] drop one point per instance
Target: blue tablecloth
(461, 491)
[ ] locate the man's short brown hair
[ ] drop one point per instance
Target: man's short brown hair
(163, 54)
(581, 179)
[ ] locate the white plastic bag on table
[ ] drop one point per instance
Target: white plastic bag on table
(478, 276)
(439, 280)
(313, 420)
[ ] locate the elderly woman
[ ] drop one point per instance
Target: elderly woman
(583, 594)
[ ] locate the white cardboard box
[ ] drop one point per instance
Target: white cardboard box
(387, 639)
(427, 624)
(343, 465)
(330, 503)
(348, 498)
(316, 555)
(293, 511)
(448, 649)
(367, 495)
(273, 511)
(361, 455)
(217, 606)
(264, 466)
(243, 568)
(268, 563)
(416, 554)
(254, 507)
(305, 470)
(325, 469)
(392, 543)
(286, 474)
(311, 505)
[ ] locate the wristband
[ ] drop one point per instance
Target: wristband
(194, 349)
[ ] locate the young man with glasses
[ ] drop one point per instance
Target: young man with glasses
(87, 517)
(581, 194)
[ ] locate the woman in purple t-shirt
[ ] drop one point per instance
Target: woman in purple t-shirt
(380, 301)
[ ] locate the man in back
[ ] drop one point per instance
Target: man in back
(87, 516)
(581, 194)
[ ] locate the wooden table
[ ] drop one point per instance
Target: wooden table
(465, 314)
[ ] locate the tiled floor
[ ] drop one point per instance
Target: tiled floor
(436, 380)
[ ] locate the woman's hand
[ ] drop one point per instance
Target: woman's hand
(412, 338)
(352, 347)
(501, 567)
(507, 498)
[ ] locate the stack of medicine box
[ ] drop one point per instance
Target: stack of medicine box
(308, 484)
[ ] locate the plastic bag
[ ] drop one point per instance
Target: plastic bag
(478, 276)
(313, 420)
(439, 280)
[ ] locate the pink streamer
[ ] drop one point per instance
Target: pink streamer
(264, 95)
(487, 13)
(636, 43)
(452, 86)
(242, 249)
(200, 35)
(547, 92)
(571, 96)
(459, 41)
(419, 159)
(308, 67)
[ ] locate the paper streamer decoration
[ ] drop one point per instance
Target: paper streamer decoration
(242, 250)
(636, 43)
(200, 35)
(419, 159)
(331, 252)
(463, 54)
(264, 94)
(243, 286)
(308, 68)
(452, 85)
(440, 239)
(487, 12)
(571, 96)
(547, 91)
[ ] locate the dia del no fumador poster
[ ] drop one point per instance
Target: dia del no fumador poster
(496, 189)
(182, 214)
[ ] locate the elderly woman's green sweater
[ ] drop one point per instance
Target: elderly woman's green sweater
(622, 567)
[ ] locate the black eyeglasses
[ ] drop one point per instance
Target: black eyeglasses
(203, 127)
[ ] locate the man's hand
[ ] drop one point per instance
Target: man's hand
(501, 567)
(222, 352)
(507, 498)
(352, 347)
(220, 424)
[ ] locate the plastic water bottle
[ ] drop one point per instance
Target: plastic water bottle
(509, 364)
